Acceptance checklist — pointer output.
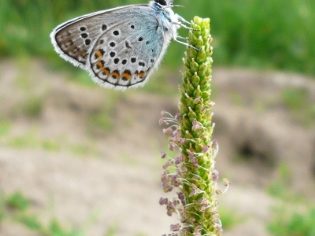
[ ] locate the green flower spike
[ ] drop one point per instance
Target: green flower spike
(192, 174)
(196, 128)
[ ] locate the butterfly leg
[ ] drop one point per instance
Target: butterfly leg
(182, 25)
(181, 37)
(183, 20)
(185, 43)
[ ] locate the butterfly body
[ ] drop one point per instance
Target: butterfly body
(119, 47)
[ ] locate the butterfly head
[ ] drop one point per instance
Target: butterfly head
(164, 3)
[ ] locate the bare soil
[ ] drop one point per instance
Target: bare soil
(114, 180)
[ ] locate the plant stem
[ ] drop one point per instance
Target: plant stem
(196, 128)
(192, 174)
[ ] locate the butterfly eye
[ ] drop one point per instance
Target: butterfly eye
(161, 2)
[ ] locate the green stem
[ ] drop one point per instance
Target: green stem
(196, 127)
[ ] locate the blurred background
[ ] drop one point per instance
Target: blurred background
(80, 160)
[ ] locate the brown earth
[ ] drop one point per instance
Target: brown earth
(96, 179)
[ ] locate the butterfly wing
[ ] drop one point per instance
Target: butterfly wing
(125, 54)
(74, 39)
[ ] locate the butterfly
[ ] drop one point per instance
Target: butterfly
(119, 47)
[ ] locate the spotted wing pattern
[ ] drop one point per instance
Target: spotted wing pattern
(125, 54)
(74, 39)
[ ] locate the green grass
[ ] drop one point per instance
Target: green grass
(32, 107)
(140, 234)
(297, 224)
(229, 218)
(281, 187)
(32, 140)
(5, 127)
(270, 34)
(294, 214)
(2, 207)
(17, 208)
(161, 82)
(294, 99)
(300, 104)
(101, 120)
(17, 202)
(82, 149)
(55, 228)
(111, 231)
(29, 221)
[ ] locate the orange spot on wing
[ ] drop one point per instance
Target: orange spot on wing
(100, 65)
(116, 74)
(126, 75)
(140, 74)
(106, 71)
(99, 53)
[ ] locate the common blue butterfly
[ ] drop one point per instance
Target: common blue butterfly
(119, 47)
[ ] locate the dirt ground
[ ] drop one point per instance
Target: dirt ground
(98, 177)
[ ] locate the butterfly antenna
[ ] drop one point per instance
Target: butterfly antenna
(177, 6)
